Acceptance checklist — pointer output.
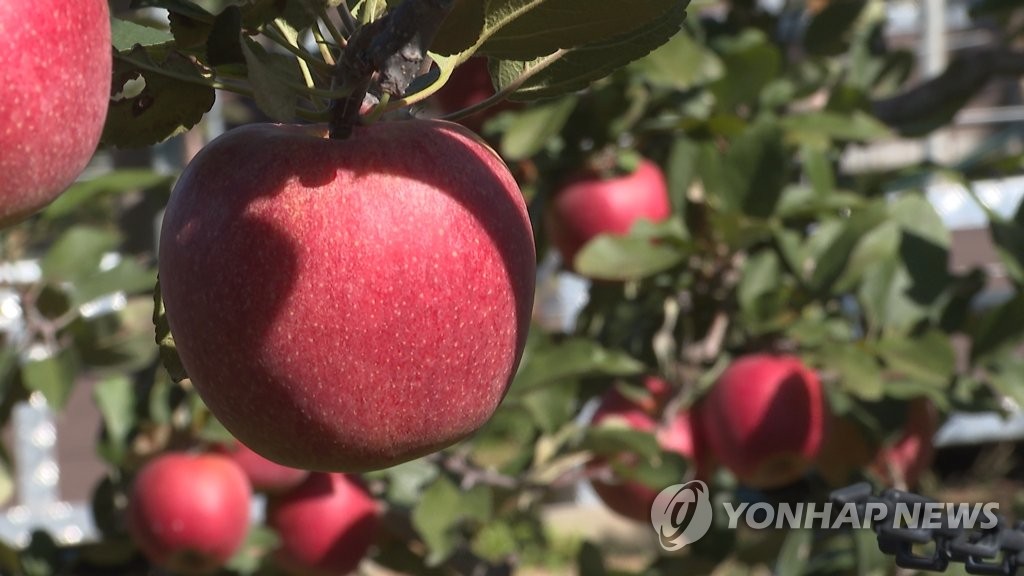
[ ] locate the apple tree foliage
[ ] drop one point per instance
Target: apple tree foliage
(773, 246)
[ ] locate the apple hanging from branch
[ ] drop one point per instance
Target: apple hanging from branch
(53, 99)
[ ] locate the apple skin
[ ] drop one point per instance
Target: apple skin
(326, 525)
(189, 513)
(264, 475)
(905, 460)
(764, 419)
(53, 100)
(348, 305)
(589, 206)
(470, 84)
(632, 499)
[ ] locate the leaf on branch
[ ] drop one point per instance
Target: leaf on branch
(125, 34)
(575, 358)
(152, 100)
(266, 70)
(165, 340)
(54, 377)
(581, 65)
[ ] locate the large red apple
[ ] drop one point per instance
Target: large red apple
(903, 461)
(470, 84)
(264, 475)
(590, 205)
(189, 513)
(346, 305)
(56, 64)
(633, 499)
(764, 419)
(326, 525)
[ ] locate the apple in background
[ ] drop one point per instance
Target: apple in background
(589, 206)
(469, 84)
(189, 513)
(764, 419)
(633, 499)
(902, 462)
(348, 305)
(264, 475)
(326, 525)
(53, 98)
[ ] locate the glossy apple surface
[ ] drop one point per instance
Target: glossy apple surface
(347, 305)
(56, 66)
(632, 499)
(764, 419)
(264, 475)
(189, 513)
(326, 525)
(590, 206)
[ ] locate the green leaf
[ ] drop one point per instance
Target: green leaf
(266, 72)
(115, 399)
(152, 100)
(613, 436)
(571, 359)
(461, 28)
(42, 557)
(756, 169)
(589, 561)
(632, 257)
(853, 127)
(54, 377)
(997, 328)
(77, 254)
(495, 542)
(795, 553)
(165, 340)
(124, 35)
(560, 24)
(551, 407)
(829, 264)
(441, 508)
(259, 542)
(879, 245)
(114, 182)
(751, 62)
(1008, 237)
(680, 64)
(407, 480)
(534, 128)
(928, 358)
(582, 65)
(859, 372)
(127, 276)
(828, 33)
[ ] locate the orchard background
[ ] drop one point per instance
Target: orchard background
(807, 152)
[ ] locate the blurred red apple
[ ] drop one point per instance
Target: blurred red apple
(347, 305)
(590, 206)
(764, 419)
(326, 525)
(264, 475)
(189, 513)
(53, 97)
(903, 461)
(633, 499)
(470, 84)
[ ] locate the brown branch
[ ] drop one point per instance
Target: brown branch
(937, 100)
(390, 51)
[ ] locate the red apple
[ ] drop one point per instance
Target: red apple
(764, 419)
(189, 513)
(633, 499)
(53, 97)
(590, 206)
(326, 525)
(264, 475)
(902, 462)
(347, 305)
(470, 84)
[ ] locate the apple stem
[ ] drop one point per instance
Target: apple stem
(388, 53)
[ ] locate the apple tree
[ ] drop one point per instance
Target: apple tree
(655, 262)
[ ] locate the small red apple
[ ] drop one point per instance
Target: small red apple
(347, 305)
(633, 499)
(264, 475)
(56, 63)
(470, 84)
(189, 513)
(326, 525)
(903, 461)
(764, 419)
(589, 206)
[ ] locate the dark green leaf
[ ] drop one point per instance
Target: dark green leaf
(681, 64)
(855, 127)
(77, 254)
(612, 437)
(461, 28)
(751, 62)
(622, 258)
(438, 511)
(997, 328)
(828, 33)
(928, 358)
(589, 561)
(115, 399)
(267, 72)
(149, 104)
(127, 276)
(168, 351)
(574, 358)
(54, 377)
(829, 265)
(757, 169)
(114, 182)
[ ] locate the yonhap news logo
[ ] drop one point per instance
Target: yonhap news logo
(683, 513)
